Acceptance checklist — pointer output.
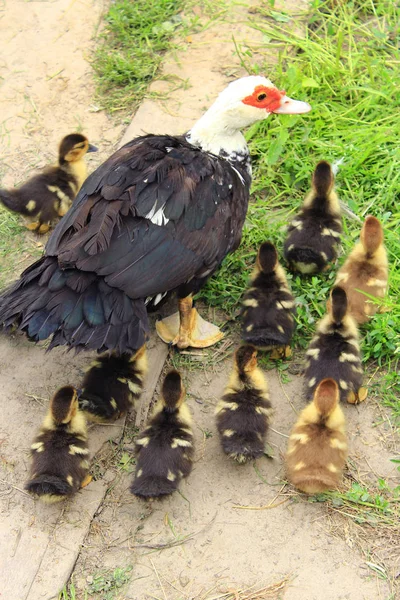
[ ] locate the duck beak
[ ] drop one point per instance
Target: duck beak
(292, 107)
(92, 148)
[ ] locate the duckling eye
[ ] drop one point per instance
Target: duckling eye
(261, 96)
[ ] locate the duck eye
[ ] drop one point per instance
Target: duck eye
(261, 97)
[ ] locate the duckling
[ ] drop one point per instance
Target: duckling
(244, 411)
(335, 351)
(112, 385)
(165, 447)
(268, 305)
(314, 233)
(50, 194)
(365, 270)
(317, 448)
(60, 451)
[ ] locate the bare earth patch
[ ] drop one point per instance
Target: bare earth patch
(234, 532)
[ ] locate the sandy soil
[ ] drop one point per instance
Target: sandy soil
(46, 94)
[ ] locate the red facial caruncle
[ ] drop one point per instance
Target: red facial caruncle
(268, 98)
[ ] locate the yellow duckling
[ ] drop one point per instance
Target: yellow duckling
(317, 448)
(365, 270)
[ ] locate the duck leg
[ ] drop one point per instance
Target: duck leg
(187, 328)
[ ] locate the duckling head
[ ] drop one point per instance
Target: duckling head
(326, 397)
(73, 147)
(64, 404)
(173, 391)
(371, 235)
(245, 360)
(267, 258)
(337, 304)
(323, 179)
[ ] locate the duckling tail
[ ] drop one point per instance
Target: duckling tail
(13, 201)
(323, 179)
(49, 487)
(371, 235)
(152, 486)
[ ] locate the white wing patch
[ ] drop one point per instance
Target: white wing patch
(157, 218)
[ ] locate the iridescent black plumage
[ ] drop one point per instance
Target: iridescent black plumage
(158, 216)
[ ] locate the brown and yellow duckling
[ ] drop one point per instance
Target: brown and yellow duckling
(60, 451)
(244, 411)
(314, 233)
(49, 194)
(112, 385)
(165, 447)
(317, 448)
(268, 305)
(334, 351)
(365, 270)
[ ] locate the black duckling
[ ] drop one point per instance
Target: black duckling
(244, 411)
(314, 233)
(365, 270)
(317, 448)
(165, 447)
(268, 305)
(112, 385)
(49, 195)
(60, 451)
(334, 351)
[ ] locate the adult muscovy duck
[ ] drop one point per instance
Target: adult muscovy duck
(157, 217)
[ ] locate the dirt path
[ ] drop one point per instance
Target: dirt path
(105, 527)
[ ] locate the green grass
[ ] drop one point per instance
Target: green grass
(347, 67)
(135, 38)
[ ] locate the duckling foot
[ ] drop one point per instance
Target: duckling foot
(44, 228)
(33, 226)
(187, 328)
(281, 352)
(86, 481)
(361, 395)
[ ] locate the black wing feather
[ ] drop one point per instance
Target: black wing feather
(109, 253)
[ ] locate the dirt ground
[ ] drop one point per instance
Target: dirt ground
(231, 527)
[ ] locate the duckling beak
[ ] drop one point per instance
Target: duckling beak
(92, 148)
(292, 107)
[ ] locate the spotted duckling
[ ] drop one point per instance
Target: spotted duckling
(244, 411)
(314, 233)
(335, 351)
(165, 448)
(365, 270)
(112, 385)
(48, 195)
(268, 305)
(60, 451)
(317, 448)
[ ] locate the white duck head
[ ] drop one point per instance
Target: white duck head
(242, 103)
